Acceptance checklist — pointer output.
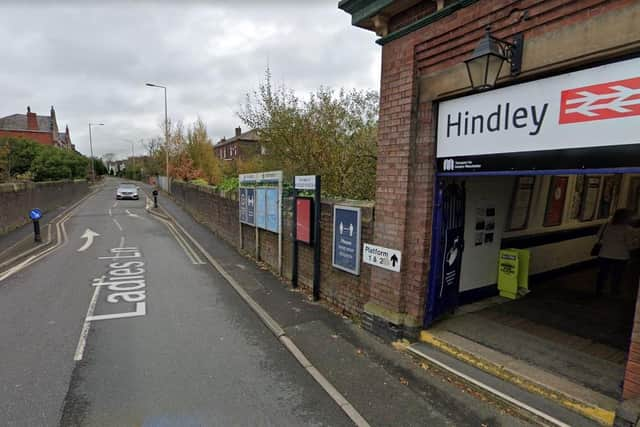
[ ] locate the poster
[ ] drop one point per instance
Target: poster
(304, 219)
(485, 225)
(243, 204)
(346, 239)
(261, 207)
(576, 197)
(251, 206)
(521, 203)
(590, 198)
(555, 201)
(609, 198)
(273, 211)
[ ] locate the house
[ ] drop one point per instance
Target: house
(241, 146)
(42, 129)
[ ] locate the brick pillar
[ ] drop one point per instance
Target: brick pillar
(631, 387)
(386, 312)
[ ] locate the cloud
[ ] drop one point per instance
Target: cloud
(92, 60)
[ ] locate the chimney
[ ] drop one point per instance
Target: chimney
(54, 124)
(238, 131)
(32, 120)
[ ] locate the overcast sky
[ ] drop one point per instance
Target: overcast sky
(92, 62)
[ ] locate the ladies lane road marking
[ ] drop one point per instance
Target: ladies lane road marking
(126, 282)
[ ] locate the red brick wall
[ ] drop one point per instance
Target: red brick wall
(219, 212)
(405, 168)
(41, 137)
(632, 375)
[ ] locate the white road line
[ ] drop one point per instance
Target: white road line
(121, 242)
(115, 221)
(82, 342)
(110, 212)
(89, 234)
(491, 390)
(115, 204)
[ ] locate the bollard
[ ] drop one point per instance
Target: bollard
(155, 198)
(35, 216)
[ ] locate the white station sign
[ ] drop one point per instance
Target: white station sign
(589, 108)
(386, 258)
(305, 182)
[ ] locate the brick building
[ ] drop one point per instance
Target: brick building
(243, 145)
(471, 170)
(42, 129)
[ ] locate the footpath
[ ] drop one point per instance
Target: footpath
(382, 382)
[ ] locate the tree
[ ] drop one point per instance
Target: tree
(333, 134)
(53, 163)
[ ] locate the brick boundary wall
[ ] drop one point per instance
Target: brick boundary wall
(17, 199)
(219, 212)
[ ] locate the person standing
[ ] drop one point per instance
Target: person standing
(616, 239)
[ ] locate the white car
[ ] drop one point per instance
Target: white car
(127, 190)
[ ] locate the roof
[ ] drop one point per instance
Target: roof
(250, 136)
(19, 122)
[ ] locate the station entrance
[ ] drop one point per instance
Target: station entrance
(557, 320)
(527, 178)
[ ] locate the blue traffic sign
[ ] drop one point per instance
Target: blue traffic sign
(35, 214)
(346, 239)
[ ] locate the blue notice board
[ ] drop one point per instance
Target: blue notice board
(346, 239)
(272, 210)
(261, 208)
(243, 204)
(251, 206)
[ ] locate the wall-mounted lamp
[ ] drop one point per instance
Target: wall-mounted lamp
(486, 61)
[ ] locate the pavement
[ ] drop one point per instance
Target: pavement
(136, 326)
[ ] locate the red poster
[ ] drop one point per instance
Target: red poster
(555, 201)
(304, 222)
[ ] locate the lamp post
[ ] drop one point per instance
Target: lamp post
(93, 167)
(166, 132)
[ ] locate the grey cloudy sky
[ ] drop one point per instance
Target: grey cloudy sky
(91, 61)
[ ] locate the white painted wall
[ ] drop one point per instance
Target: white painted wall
(479, 263)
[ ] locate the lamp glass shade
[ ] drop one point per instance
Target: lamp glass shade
(485, 63)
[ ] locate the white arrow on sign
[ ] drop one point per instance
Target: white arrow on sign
(89, 234)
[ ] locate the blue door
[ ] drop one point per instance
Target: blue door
(447, 245)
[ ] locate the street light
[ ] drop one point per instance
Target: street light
(166, 132)
(486, 61)
(93, 168)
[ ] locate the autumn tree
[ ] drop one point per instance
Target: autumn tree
(332, 133)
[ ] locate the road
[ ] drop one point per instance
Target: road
(134, 329)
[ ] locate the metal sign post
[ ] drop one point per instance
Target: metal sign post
(35, 215)
(307, 182)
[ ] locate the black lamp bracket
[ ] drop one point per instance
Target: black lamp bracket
(512, 51)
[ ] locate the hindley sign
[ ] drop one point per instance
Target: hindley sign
(583, 119)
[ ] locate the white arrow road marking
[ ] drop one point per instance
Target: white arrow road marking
(89, 234)
(131, 214)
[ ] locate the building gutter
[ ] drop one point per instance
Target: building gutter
(423, 22)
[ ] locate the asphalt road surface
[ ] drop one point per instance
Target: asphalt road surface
(135, 331)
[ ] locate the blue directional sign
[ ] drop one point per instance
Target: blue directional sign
(346, 239)
(35, 214)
